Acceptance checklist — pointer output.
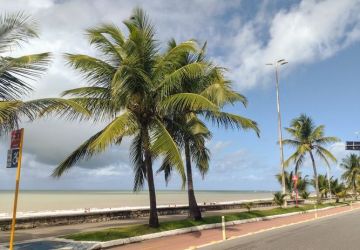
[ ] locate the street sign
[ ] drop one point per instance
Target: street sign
(352, 145)
(14, 161)
(15, 138)
(13, 158)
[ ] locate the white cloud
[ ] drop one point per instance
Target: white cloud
(306, 33)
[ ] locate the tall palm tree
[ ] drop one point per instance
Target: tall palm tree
(190, 134)
(351, 166)
(308, 139)
(188, 129)
(134, 86)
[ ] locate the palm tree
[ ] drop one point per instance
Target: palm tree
(308, 139)
(323, 185)
(338, 189)
(351, 166)
(16, 29)
(135, 87)
(301, 185)
(279, 198)
(289, 185)
(188, 129)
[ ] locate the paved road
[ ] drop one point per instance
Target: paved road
(340, 232)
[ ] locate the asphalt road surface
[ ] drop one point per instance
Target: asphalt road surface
(337, 232)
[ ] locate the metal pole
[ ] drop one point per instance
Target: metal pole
(280, 134)
(18, 171)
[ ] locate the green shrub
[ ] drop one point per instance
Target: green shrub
(279, 198)
(305, 195)
(249, 206)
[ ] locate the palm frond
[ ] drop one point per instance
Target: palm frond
(228, 120)
(137, 158)
(82, 152)
(163, 144)
(123, 125)
(97, 72)
(14, 72)
(186, 102)
(16, 28)
(174, 80)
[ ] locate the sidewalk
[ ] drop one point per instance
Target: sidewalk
(193, 239)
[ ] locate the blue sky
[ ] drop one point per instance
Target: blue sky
(320, 39)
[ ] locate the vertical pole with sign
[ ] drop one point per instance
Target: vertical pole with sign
(14, 161)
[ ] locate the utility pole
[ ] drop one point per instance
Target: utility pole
(276, 66)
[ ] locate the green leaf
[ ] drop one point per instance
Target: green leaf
(122, 125)
(163, 144)
(186, 102)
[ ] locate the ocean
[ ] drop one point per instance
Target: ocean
(35, 202)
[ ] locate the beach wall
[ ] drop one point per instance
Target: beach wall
(90, 217)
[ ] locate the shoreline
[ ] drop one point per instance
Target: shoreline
(83, 211)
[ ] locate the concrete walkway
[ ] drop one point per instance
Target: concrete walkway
(56, 231)
(190, 240)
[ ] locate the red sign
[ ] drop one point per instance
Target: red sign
(15, 139)
(295, 178)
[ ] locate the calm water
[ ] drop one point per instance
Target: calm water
(68, 200)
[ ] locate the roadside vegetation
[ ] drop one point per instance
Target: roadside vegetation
(137, 230)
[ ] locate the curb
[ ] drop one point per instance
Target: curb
(135, 239)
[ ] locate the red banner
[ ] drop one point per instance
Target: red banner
(15, 139)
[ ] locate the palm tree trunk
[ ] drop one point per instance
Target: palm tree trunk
(194, 211)
(153, 219)
(316, 178)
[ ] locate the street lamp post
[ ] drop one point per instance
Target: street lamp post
(276, 65)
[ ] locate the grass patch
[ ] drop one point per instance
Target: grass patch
(137, 230)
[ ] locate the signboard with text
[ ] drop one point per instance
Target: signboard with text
(14, 161)
(12, 158)
(14, 151)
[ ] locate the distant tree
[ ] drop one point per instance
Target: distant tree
(338, 189)
(351, 175)
(307, 138)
